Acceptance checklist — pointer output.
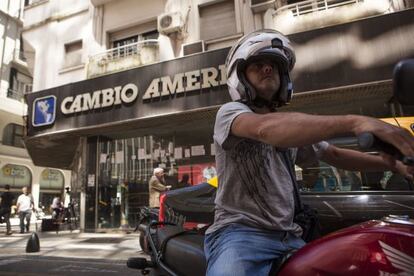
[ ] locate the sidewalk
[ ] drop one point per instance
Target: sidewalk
(113, 246)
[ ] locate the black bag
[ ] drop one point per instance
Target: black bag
(308, 220)
(305, 216)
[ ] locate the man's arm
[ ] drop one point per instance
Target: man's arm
(18, 205)
(353, 160)
(289, 129)
(157, 185)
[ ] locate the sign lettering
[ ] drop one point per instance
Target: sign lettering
(184, 82)
(100, 99)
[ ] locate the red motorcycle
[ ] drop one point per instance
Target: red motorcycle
(376, 247)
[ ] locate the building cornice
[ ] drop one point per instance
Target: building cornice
(15, 19)
(54, 18)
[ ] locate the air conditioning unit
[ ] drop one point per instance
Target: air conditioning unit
(193, 48)
(170, 23)
(261, 5)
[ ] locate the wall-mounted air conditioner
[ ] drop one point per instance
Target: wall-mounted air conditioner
(193, 48)
(170, 23)
(261, 5)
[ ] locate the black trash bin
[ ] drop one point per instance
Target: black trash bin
(49, 225)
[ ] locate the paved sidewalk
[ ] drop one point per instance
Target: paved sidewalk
(113, 246)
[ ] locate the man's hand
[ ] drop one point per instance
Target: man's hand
(396, 136)
(406, 171)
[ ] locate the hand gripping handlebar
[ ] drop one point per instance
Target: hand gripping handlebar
(369, 142)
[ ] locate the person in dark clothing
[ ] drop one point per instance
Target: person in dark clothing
(5, 208)
(184, 181)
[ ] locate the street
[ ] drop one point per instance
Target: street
(45, 265)
(69, 253)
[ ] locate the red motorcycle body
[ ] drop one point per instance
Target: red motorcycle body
(377, 247)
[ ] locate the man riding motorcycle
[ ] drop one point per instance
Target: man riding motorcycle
(255, 202)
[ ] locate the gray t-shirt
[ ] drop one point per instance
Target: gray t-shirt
(255, 187)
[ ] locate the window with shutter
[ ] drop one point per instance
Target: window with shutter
(217, 20)
(73, 53)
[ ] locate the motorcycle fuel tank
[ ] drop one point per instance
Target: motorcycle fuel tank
(377, 247)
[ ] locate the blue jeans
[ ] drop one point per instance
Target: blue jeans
(25, 215)
(241, 250)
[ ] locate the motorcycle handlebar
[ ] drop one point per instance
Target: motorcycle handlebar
(369, 142)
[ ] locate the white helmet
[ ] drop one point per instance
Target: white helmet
(266, 43)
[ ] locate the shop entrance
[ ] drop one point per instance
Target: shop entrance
(126, 164)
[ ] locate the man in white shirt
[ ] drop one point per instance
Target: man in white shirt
(25, 206)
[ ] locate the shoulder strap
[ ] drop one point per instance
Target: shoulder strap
(290, 166)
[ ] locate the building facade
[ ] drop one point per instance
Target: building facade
(16, 167)
(122, 87)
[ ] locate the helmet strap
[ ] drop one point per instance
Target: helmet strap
(284, 95)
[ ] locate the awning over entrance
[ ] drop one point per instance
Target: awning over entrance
(58, 150)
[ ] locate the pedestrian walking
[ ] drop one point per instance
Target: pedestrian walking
(25, 205)
(157, 185)
(6, 201)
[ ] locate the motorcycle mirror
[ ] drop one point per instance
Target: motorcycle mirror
(403, 81)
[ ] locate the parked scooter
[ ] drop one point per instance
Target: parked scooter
(377, 247)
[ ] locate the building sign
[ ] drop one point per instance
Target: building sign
(100, 99)
(159, 87)
(44, 111)
(14, 171)
(193, 80)
(51, 179)
(15, 175)
(172, 86)
(50, 174)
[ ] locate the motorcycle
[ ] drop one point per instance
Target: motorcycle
(376, 247)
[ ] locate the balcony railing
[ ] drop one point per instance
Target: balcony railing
(16, 95)
(311, 14)
(311, 6)
(124, 57)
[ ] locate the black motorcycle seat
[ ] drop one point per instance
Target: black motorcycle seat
(184, 252)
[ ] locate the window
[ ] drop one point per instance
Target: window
(73, 54)
(134, 34)
(123, 42)
(218, 14)
(135, 38)
(19, 84)
(125, 51)
(13, 135)
(126, 165)
(150, 35)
